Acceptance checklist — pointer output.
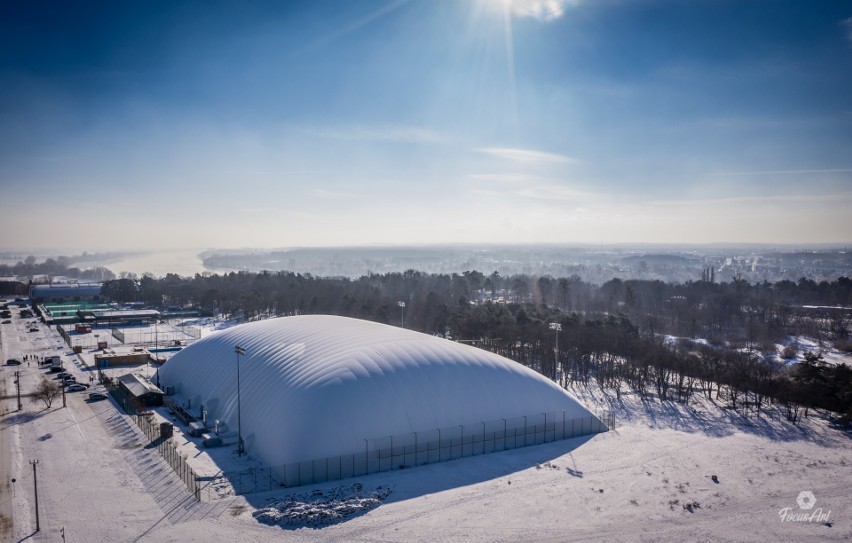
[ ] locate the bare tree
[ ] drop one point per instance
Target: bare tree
(46, 391)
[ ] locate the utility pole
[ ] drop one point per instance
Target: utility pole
(35, 486)
(63, 392)
(157, 348)
(18, 386)
(401, 305)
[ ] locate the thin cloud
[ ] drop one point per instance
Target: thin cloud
(499, 177)
(355, 25)
(846, 24)
(554, 193)
(757, 199)
(778, 172)
(386, 133)
(543, 10)
(332, 195)
(526, 156)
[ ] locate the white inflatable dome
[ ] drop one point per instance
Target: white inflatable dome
(319, 386)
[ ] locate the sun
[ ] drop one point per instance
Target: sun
(543, 10)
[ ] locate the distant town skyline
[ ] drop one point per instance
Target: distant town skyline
(300, 124)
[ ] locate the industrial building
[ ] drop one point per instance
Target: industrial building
(65, 292)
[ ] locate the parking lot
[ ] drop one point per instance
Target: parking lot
(24, 343)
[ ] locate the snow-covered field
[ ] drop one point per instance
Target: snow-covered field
(650, 479)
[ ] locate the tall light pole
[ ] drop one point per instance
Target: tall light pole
(401, 305)
(35, 488)
(555, 326)
(240, 449)
(157, 348)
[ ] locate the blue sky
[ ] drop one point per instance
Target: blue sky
(276, 124)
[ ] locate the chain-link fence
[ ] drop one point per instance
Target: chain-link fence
(204, 488)
(441, 444)
(169, 452)
(380, 454)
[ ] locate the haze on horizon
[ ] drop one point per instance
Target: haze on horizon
(294, 124)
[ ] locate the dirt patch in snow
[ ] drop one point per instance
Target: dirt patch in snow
(321, 507)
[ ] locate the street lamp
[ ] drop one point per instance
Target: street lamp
(240, 449)
(401, 305)
(157, 348)
(555, 326)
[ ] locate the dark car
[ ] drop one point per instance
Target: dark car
(7, 321)
(97, 396)
(13, 362)
(56, 369)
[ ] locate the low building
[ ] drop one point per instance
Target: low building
(110, 359)
(139, 390)
(119, 317)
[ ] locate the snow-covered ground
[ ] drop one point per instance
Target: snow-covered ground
(796, 345)
(649, 479)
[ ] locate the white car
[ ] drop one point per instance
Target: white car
(76, 387)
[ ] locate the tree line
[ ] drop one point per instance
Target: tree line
(615, 333)
(52, 267)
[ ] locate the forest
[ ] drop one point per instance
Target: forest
(674, 340)
(59, 266)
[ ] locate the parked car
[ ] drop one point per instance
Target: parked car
(13, 362)
(97, 396)
(56, 369)
(7, 321)
(76, 387)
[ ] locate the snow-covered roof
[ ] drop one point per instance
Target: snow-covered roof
(138, 385)
(317, 386)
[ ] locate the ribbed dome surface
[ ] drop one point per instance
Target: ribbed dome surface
(317, 386)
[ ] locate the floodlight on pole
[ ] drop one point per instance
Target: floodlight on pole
(556, 327)
(240, 448)
(401, 305)
(157, 348)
